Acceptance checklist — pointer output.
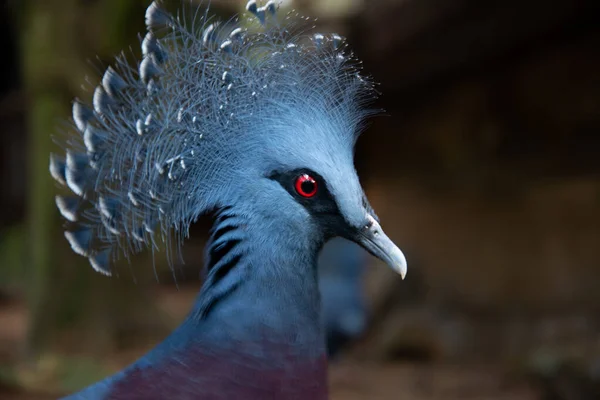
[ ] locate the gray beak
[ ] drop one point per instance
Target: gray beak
(376, 242)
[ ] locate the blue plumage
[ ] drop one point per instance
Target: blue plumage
(342, 268)
(166, 140)
(255, 123)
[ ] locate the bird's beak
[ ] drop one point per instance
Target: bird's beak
(376, 242)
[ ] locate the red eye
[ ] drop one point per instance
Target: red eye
(306, 186)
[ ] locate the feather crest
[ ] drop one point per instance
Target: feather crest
(165, 137)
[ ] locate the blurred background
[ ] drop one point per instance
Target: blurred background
(485, 170)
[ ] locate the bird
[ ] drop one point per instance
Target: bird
(341, 268)
(254, 121)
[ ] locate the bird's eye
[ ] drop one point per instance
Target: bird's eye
(306, 186)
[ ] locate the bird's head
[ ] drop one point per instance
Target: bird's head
(301, 170)
(218, 115)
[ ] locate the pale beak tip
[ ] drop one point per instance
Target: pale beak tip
(376, 241)
(401, 267)
(396, 260)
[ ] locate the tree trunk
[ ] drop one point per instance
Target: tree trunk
(58, 36)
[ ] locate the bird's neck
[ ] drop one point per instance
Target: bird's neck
(255, 330)
(260, 287)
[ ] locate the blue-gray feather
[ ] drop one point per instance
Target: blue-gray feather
(342, 268)
(164, 140)
(220, 117)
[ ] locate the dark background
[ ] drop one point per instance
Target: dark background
(485, 170)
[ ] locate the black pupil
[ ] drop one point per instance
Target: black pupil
(307, 186)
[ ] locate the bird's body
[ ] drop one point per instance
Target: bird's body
(342, 266)
(258, 127)
(270, 368)
(255, 337)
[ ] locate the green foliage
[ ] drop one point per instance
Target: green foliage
(77, 372)
(12, 255)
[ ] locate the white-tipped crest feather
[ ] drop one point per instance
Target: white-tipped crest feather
(173, 135)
